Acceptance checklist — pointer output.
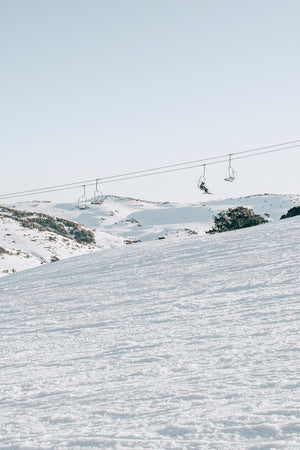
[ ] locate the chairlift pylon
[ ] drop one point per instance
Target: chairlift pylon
(82, 201)
(98, 196)
(201, 183)
(231, 173)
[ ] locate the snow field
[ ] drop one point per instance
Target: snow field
(190, 344)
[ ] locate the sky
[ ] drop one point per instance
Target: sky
(94, 88)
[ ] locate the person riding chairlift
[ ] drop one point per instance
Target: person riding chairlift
(204, 188)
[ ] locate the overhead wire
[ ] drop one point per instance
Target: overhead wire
(158, 170)
(80, 183)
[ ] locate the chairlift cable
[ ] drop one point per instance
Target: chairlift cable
(156, 171)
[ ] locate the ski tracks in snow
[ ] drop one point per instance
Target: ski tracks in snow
(184, 345)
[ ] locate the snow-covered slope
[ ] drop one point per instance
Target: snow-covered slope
(26, 248)
(180, 344)
(28, 239)
(123, 220)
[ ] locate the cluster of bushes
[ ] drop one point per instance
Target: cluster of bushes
(295, 211)
(234, 219)
(241, 217)
(84, 236)
(79, 233)
(43, 222)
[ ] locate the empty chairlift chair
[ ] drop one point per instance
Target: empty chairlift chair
(82, 201)
(231, 173)
(98, 196)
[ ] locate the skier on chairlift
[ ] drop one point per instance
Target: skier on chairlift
(201, 182)
(204, 188)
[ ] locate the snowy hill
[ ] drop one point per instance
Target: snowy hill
(119, 221)
(143, 220)
(30, 238)
(180, 344)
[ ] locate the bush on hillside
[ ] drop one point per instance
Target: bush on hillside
(234, 219)
(292, 212)
(83, 236)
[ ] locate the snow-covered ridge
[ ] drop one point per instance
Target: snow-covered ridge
(32, 238)
(146, 221)
(175, 344)
(119, 221)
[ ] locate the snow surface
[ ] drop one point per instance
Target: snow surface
(184, 344)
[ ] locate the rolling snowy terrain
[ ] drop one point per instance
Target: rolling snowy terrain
(172, 344)
(116, 222)
(30, 238)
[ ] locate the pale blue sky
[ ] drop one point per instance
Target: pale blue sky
(92, 88)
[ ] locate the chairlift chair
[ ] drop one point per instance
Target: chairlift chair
(231, 173)
(201, 183)
(82, 201)
(98, 196)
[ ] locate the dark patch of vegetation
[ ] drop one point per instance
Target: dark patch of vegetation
(84, 236)
(190, 232)
(292, 212)
(3, 251)
(131, 241)
(234, 219)
(43, 222)
(132, 220)
(81, 234)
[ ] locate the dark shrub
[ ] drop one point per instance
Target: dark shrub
(235, 218)
(295, 211)
(84, 236)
